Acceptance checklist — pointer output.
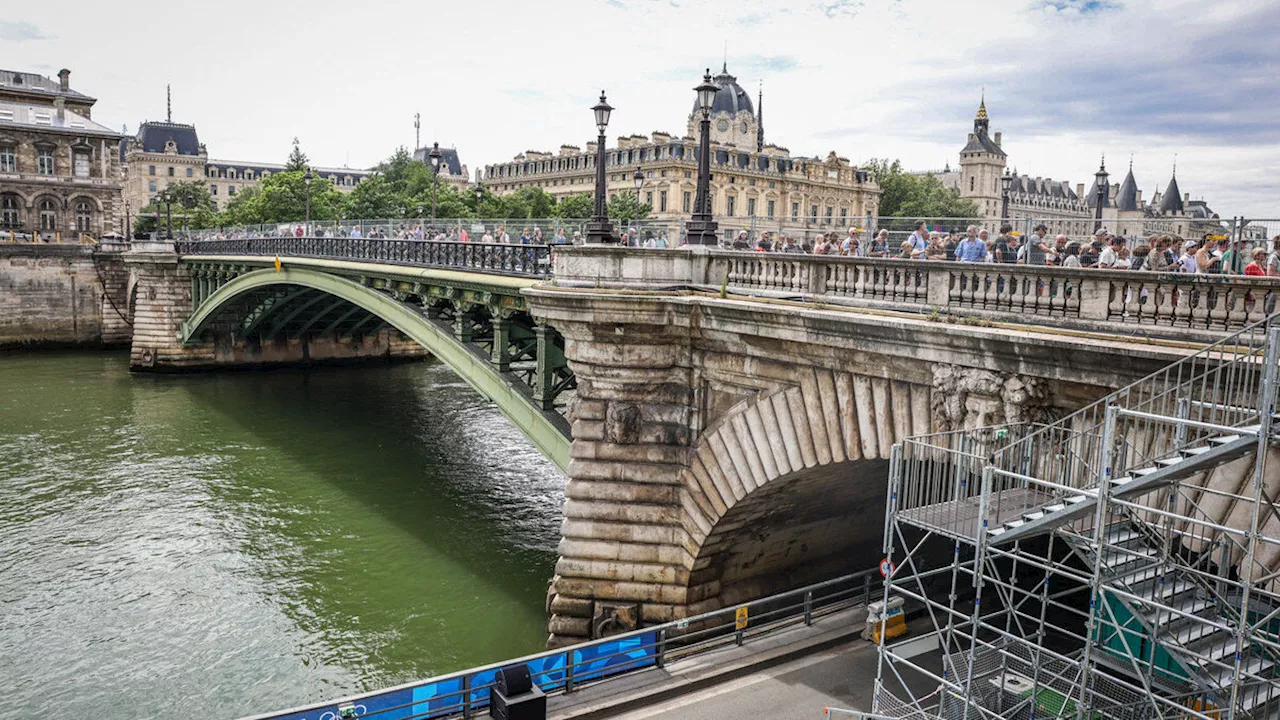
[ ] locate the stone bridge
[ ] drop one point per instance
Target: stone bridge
(725, 419)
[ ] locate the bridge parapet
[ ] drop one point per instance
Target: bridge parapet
(1197, 307)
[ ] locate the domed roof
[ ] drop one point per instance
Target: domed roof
(730, 98)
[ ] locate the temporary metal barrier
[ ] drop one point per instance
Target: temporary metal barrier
(566, 670)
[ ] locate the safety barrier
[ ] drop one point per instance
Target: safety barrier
(568, 669)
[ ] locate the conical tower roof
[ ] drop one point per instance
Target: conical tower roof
(1171, 200)
(1128, 197)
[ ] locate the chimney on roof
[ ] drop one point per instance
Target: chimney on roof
(64, 79)
(1079, 190)
(997, 139)
(1186, 197)
(60, 105)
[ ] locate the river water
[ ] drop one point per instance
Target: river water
(223, 544)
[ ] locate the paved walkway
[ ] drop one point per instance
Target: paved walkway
(792, 673)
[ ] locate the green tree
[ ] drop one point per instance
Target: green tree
(189, 203)
(374, 198)
(298, 161)
(903, 194)
(626, 206)
(575, 207)
(282, 197)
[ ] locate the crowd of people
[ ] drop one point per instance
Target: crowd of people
(1158, 253)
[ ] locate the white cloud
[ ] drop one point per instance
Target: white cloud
(889, 79)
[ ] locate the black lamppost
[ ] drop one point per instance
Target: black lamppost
(1100, 178)
(434, 157)
(638, 178)
(128, 230)
(307, 177)
(703, 230)
(1006, 182)
(168, 219)
(479, 190)
(599, 230)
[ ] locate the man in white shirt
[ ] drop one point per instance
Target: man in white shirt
(919, 239)
(1107, 258)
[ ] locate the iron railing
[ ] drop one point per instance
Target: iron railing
(519, 260)
(566, 670)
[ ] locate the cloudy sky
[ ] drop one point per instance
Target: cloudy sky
(1065, 80)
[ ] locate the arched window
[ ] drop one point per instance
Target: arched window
(10, 211)
(84, 216)
(48, 214)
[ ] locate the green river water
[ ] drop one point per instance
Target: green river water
(217, 545)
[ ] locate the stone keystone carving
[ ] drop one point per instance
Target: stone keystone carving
(967, 398)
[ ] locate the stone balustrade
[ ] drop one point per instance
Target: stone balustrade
(1193, 304)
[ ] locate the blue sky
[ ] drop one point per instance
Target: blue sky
(1065, 80)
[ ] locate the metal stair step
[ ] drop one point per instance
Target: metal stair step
(1036, 515)
(1258, 695)
(1214, 646)
(1170, 461)
(1197, 450)
(1252, 665)
(1224, 439)
(1014, 523)
(1185, 631)
(996, 531)
(1055, 507)
(1077, 499)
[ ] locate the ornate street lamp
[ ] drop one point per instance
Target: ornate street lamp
(1100, 178)
(479, 190)
(599, 230)
(434, 157)
(703, 230)
(638, 178)
(1006, 182)
(128, 230)
(307, 177)
(168, 220)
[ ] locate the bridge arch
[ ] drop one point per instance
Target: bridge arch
(787, 487)
(540, 426)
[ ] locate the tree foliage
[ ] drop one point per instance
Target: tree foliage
(918, 196)
(577, 206)
(189, 203)
(282, 197)
(626, 206)
(297, 161)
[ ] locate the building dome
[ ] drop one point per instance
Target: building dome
(730, 98)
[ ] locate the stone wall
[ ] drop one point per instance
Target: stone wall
(58, 295)
(727, 448)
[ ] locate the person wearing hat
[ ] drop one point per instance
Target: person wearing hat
(1187, 260)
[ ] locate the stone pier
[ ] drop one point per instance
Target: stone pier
(63, 295)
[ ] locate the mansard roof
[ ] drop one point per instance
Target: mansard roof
(38, 84)
(730, 98)
(45, 117)
(448, 159)
(153, 136)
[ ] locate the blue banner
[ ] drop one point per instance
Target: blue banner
(436, 698)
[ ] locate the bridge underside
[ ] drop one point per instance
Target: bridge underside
(486, 337)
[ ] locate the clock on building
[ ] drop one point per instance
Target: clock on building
(744, 127)
(723, 125)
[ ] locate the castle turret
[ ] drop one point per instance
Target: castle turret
(982, 162)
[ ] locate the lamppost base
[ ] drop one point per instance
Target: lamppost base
(600, 232)
(704, 232)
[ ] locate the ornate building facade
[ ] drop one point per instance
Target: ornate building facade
(228, 177)
(161, 153)
(59, 170)
(452, 171)
(750, 178)
(1062, 207)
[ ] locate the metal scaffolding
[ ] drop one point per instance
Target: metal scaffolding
(1123, 562)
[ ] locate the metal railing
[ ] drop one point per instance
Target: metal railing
(566, 670)
(519, 260)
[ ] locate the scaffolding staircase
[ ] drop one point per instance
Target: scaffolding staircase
(1183, 620)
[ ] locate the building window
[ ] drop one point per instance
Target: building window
(829, 211)
(213, 189)
(688, 200)
(662, 201)
(84, 215)
(151, 186)
(751, 207)
(151, 169)
(8, 159)
(729, 207)
(44, 161)
(769, 207)
(170, 171)
(795, 211)
(844, 215)
(231, 189)
(9, 211)
(813, 213)
(82, 164)
(189, 172)
(688, 173)
(48, 214)
(970, 183)
(648, 199)
(231, 174)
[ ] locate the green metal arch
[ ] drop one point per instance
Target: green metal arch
(535, 423)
